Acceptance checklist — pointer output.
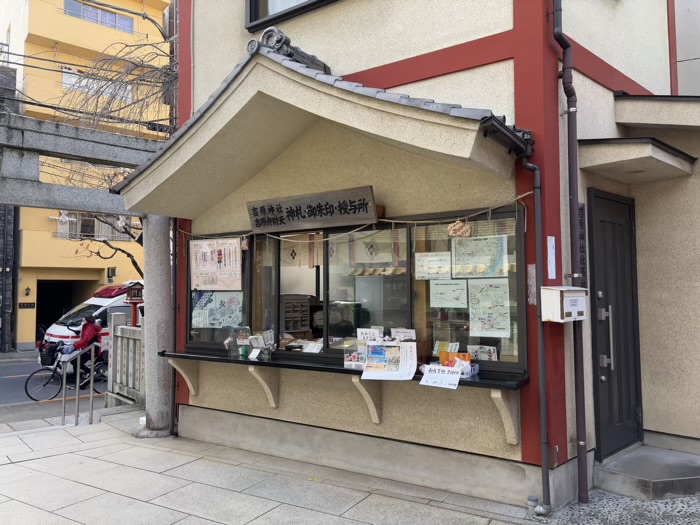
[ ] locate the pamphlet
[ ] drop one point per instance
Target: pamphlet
(390, 361)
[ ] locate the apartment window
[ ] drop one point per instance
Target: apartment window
(262, 13)
(98, 16)
(78, 226)
(76, 81)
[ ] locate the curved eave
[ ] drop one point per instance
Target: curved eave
(262, 109)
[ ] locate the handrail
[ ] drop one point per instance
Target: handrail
(67, 359)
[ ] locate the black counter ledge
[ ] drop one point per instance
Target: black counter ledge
(488, 380)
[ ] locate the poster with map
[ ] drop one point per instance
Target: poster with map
(489, 308)
(217, 309)
(215, 264)
(480, 257)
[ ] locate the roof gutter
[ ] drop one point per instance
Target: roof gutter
(567, 78)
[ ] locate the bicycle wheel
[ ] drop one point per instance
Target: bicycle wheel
(44, 384)
(100, 381)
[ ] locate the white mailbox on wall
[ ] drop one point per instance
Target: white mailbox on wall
(563, 304)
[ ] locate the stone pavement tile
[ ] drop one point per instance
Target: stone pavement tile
(406, 497)
(194, 520)
(100, 436)
(17, 513)
(47, 492)
(494, 516)
(30, 425)
(308, 494)
(134, 483)
(218, 474)
(182, 444)
(4, 460)
(148, 459)
(70, 466)
(48, 440)
(486, 505)
(5, 428)
(140, 442)
(133, 414)
(113, 509)
(103, 451)
(234, 456)
(406, 489)
(285, 465)
(278, 472)
(3, 499)
(10, 473)
(88, 429)
(353, 478)
(216, 504)
(128, 426)
(27, 456)
(288, 515)
(11, 445)
(381, 510)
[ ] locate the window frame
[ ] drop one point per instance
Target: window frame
(254, 23)
(517, 369)
(247, 259)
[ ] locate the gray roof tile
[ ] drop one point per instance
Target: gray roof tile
(391, 97)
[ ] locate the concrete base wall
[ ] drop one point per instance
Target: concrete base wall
(672, 442)
(469, 474)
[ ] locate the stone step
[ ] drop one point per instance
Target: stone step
(650, 473)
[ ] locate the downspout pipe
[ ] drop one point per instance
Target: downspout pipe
(567, 79)
(173, 288)
(546, 506)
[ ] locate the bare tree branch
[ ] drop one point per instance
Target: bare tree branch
(115, 250)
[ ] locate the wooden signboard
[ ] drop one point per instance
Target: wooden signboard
(350, 207)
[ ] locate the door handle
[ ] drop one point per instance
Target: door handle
(611, 334)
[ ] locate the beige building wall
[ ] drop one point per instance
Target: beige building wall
(465, 420)
(348, 35)
(630, 35)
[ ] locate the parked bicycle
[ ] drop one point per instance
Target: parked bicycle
(46, 383)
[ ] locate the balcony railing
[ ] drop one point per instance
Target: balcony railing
(74, 236)
(4, 54)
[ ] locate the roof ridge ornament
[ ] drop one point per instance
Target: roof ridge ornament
(275, 40)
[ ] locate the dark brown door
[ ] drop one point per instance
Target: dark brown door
(616, 370)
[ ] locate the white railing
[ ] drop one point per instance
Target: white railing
(126, 360)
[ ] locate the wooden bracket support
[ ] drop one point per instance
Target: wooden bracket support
(372, 394)
(269, 379)
(189, 370)
(508, 404)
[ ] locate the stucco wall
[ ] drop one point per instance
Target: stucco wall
(329, 157)
(486, 87)
(669, 296)
(348, 35)
(630, 35)
(465, 419)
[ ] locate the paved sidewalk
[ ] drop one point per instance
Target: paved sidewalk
(100, 474)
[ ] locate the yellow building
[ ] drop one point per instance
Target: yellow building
(61, 50)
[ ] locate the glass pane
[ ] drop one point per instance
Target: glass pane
(215, 314)
(465, 291)
(109, 19)
(87, 227)
(368, 284)
(125, 23)
(264, 285)
(72, 8)
(301, 283)
(90, 14)
(271, 7)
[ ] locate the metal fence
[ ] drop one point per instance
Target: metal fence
(126, 360)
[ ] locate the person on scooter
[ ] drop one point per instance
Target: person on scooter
(89, 334)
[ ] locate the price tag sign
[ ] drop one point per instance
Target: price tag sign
(253, 356)
(440, 376)
(403, 334)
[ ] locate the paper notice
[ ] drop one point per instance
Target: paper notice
(403, 333)
(480, 256)
(448, 293)
(433, 265)
(390, 362)
(369, 334)
(489, 308)
(215, 264)
(440, 376)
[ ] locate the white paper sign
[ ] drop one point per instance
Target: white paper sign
(448, 293)
(480, 256)
(441, 376)
(489, 308)
(379, 329)
(483, 353)
(215, 264)
(369, 334)
(390, 362)
(433, 265)
(253, 356)
(551, 257)
(403, 333)
(313, 348)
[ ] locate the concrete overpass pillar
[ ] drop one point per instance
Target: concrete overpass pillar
(158, 324)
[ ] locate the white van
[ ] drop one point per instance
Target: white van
(107, 300)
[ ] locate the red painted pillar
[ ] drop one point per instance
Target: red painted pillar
(536, 108)
(672, 46)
